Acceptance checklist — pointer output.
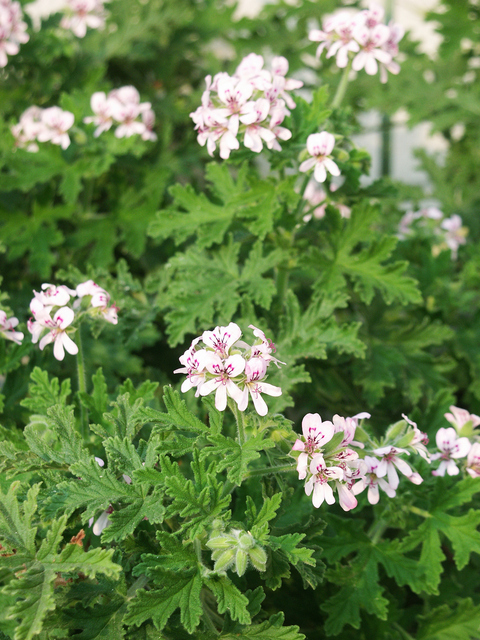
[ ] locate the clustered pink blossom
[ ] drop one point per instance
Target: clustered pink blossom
(81, 15)
(219, 362)
(43, 125)
(362, 38)
(329, 462)
(55, 309)
(7, 328)
(251, 104)
(123, 108)
(12, 30)
(458, 442)
(447, 233)
(320, 146)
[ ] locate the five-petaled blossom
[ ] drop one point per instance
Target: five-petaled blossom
(251, 104)
(320, 146)
(7, 326)
(219, 361)
(451, 448)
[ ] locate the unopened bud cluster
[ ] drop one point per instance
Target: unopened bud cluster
(218, 361)
(57, 309)
(236, 549)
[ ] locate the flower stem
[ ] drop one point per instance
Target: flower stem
(265, 471)
(419, 512)
(377, 530)
(138, 584)
(239, 419)
(342, 87)
(82, 384)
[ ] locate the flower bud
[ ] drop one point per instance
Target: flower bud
(224, 559)
(258, 557)
(241, 561)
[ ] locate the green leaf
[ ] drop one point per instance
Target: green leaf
(159, 604)
(16, 528)
(445, 623)
(44, 393)
(258, 523)
(362, 591)
(234, 457)
(229, 599)
(125, 520)
(101, 622)
(126, 418)
(271, 629)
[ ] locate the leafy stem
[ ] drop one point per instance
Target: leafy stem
(265, 471)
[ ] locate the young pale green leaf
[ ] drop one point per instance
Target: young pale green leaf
(44, 393)
(257, 523)
(122, 456)
(289, 544)
(158, 605)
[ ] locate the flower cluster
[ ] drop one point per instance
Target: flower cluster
(330, 458)
(458, 442)
(218, 361)
(362, 38)
(320, 146)
(447, 233)
(12, 30)
(7, 326)
(43, 125)
(252, 103)
(319, 199)
(55, 309)
(82, 14)
(122, 106)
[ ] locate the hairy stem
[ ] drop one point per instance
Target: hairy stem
(138, 584)
(239, 419)
(265, 471)
(82, 384)
(342, 87)
(377, 530)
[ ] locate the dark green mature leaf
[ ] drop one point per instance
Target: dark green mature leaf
(101, 622)
(125, 520)
(16, 527)
(126, 418)
(178, 592)
(362, 591)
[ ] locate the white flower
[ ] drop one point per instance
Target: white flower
(320, 146)
(316, 434)
(56, 124)
(7, 327)
(255, 370)
(389, 464)
(371, 42)
(62, 319)
(223, 372)
(221, 339)
(373, 481)
(318, 481)
(473, 460)
(451, 448)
